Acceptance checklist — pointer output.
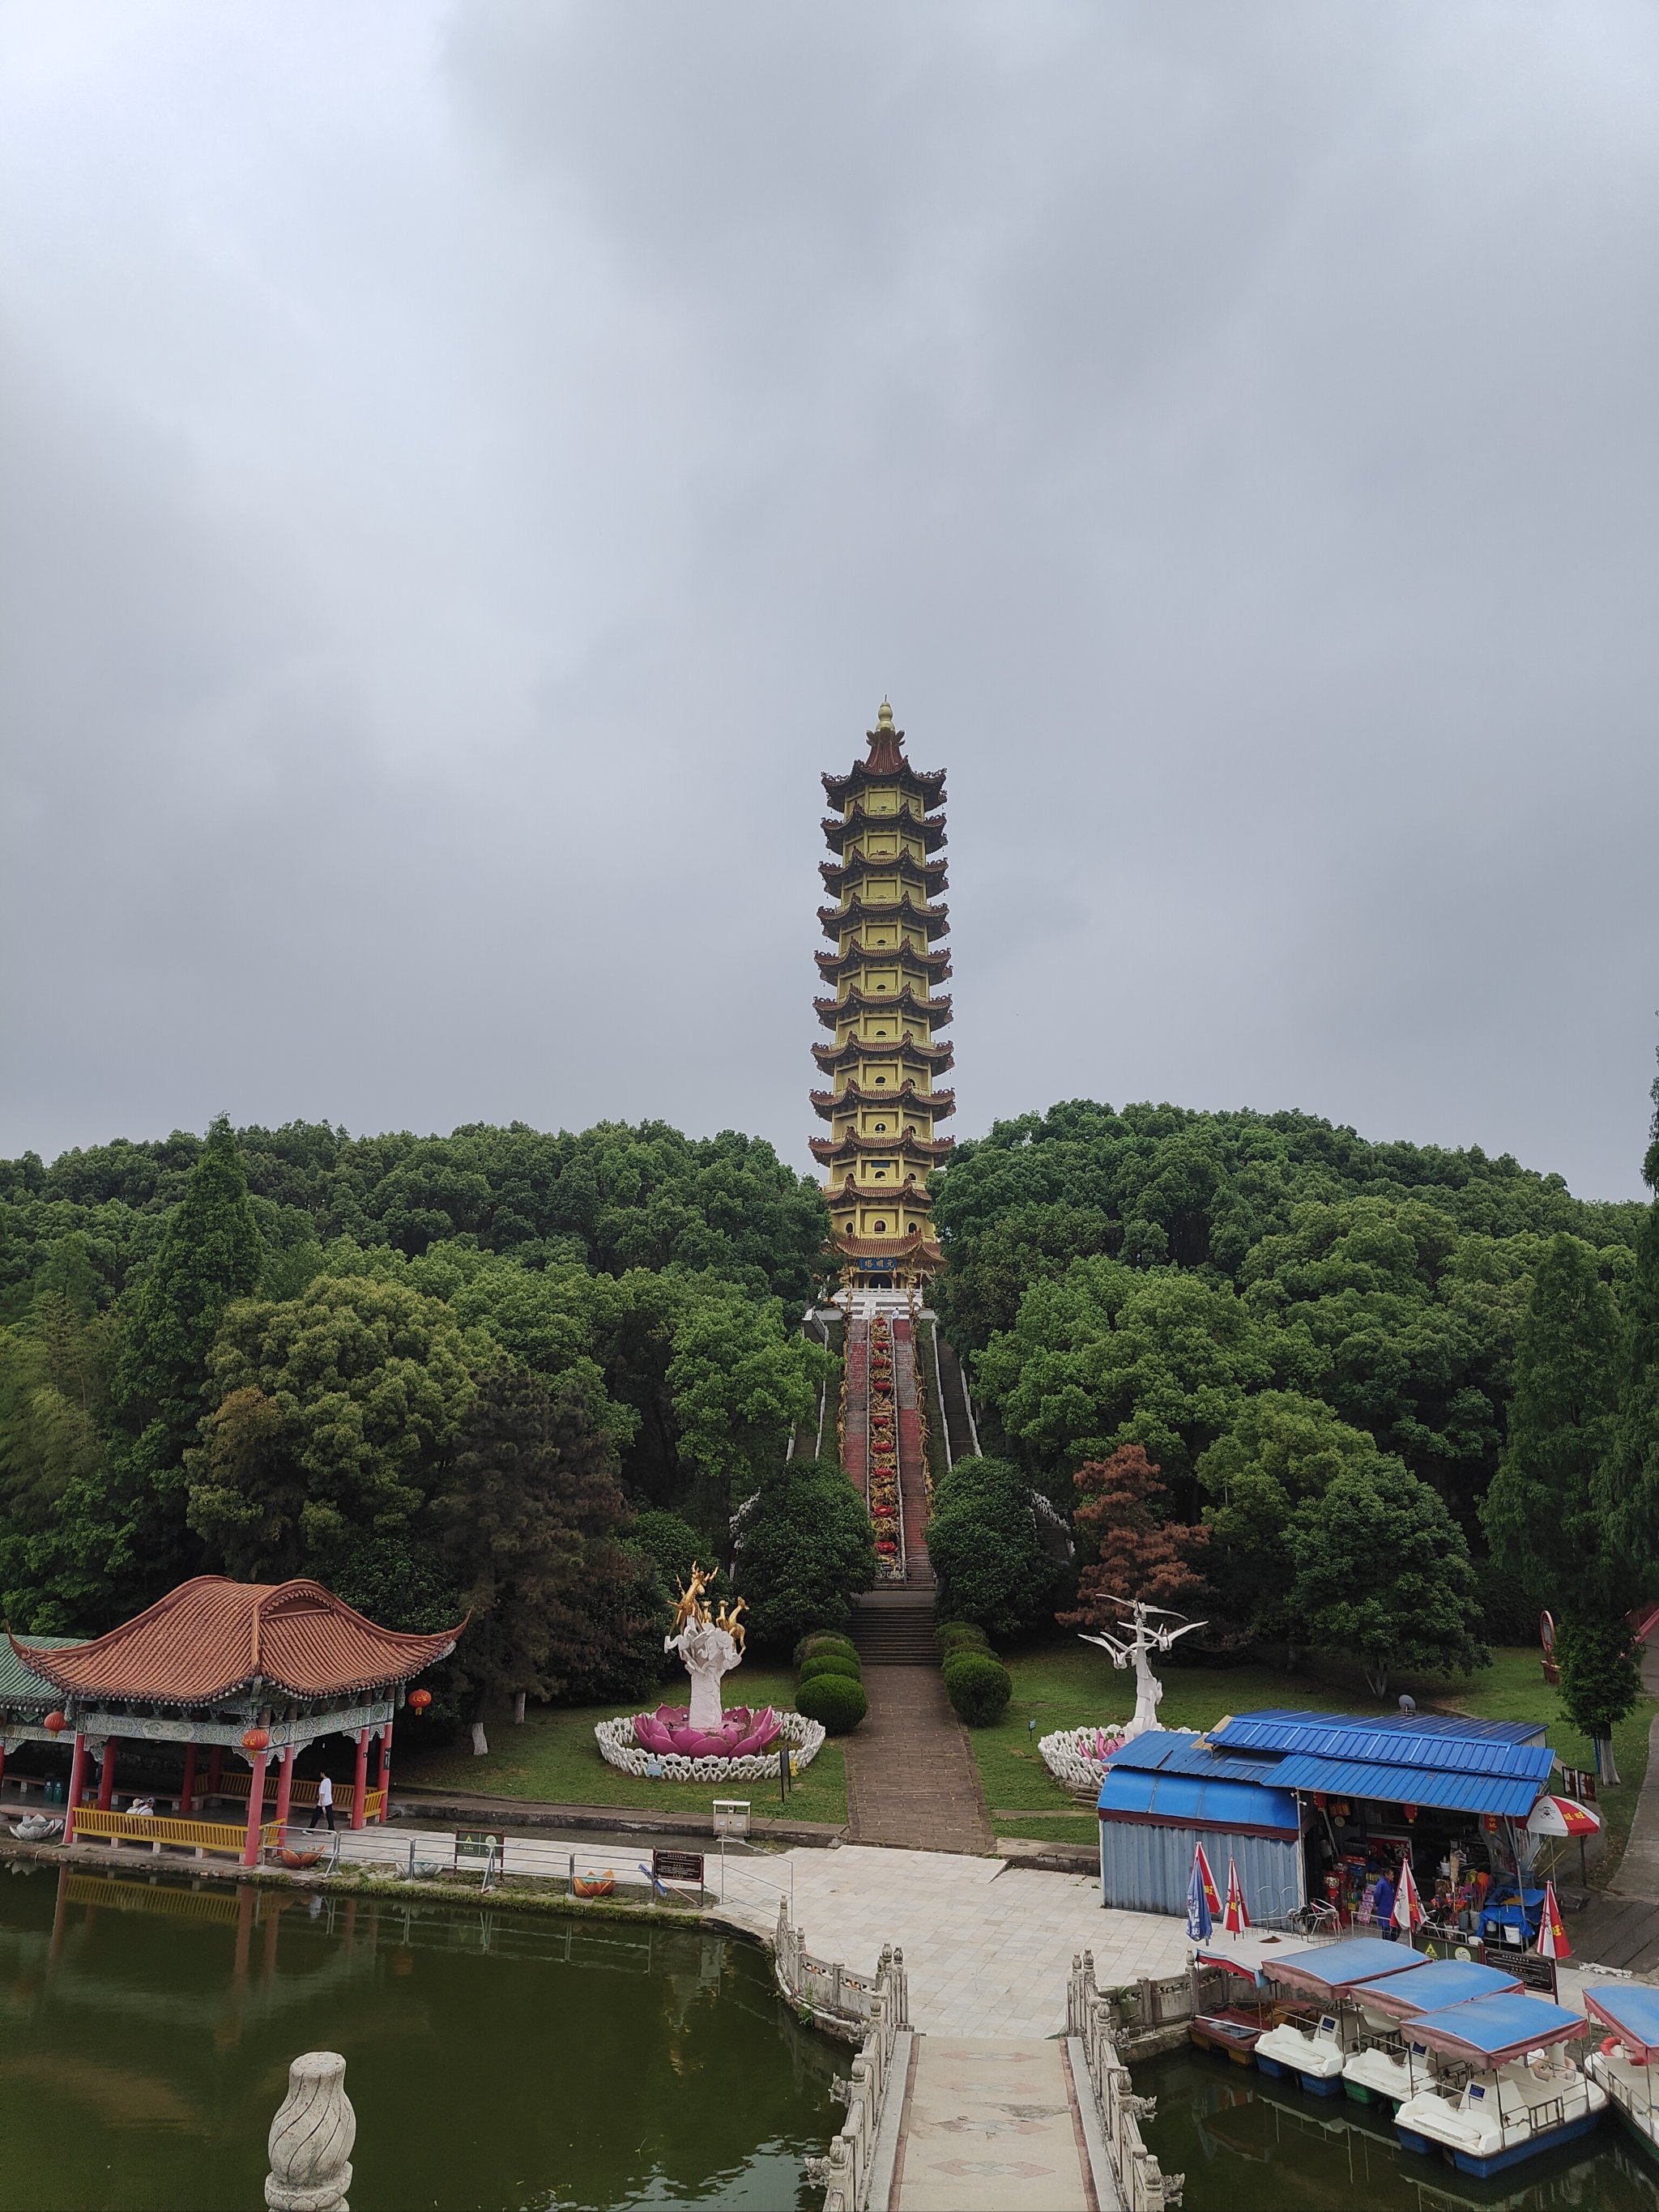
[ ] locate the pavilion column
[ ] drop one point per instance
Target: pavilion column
(360, 1782)
(256, 1810)
(106, 1776)
(214, 1764)
(285, 1787)
(187, 1793)
(76, 1784)
(383, 1779)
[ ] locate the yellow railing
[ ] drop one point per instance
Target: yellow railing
(120, 1893)
(158, 1828)
(374, 1804)
(304, 1791)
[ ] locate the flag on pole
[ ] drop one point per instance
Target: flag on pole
(1408, 1904)
(1237, 1918)
(1552, 1933)
(1202, 1903)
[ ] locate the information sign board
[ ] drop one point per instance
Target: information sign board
(677, 1865)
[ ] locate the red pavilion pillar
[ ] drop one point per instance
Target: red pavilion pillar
(77, 1783)
(256, 1810)
(285, 1787)
(106, 1776)
(383, 1779)
(188, 1791)
(360, 1782)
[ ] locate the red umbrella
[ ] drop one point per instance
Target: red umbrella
(1551, 1931)
(1236, 1918)
(1562, 1816)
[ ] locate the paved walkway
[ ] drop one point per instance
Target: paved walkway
(910, 1776)
(986, 1947)
(990, 2127)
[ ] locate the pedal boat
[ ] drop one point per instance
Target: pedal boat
(1388, 2067)
(1314, 2044)
(1523, 2094)
(1627, 2063)
(1232, 2029)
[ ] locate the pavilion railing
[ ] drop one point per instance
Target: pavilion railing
(303, 1793)
(161, 1828)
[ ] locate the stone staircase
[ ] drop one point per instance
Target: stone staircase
(895, 1628)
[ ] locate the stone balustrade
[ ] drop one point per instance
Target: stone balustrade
(1142, 2183)
(837, 1997)
(310, 2138)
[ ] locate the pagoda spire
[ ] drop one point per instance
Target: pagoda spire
(885, 1016)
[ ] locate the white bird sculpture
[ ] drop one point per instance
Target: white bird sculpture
(1141, 1636)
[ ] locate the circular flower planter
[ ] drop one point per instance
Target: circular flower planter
(617, 1748)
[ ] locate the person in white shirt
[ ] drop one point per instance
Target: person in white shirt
(323, 1809)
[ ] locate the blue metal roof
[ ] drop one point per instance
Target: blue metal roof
(1182, 1801)
(1331, 1968)
(1505, 1795)
(1172, 1752)
(1452, 1745)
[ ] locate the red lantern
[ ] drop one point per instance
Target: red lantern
(1410, 1811)
(419, 1700)
(55, 1723)
(257, 1739)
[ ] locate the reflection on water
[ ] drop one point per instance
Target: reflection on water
(1248, 2143)
(494, 2060)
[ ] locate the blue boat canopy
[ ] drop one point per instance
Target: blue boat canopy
(1331, 1968)
(1491, 2031)
(1443, 1982)
(1632, 2009)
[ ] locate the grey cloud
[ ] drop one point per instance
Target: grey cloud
(473, 465)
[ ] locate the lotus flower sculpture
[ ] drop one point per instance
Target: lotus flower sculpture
(740, 1733)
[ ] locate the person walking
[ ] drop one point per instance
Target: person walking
(323, 1809)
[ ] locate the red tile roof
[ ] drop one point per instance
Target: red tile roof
(211, 1636)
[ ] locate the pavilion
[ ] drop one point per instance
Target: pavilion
(257, 1669)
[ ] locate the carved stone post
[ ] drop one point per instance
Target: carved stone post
(310, 2138)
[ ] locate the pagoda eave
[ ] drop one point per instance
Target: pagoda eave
(928, 783)
(923, 1151)
(933, 875)
(933, 967)
(831, 1012)
(838, 828)
(935, 1057)
(935, 920)
(939, 1104)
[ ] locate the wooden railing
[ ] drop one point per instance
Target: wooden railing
(844, 2173)
(1142, 2183)
(161, 1828)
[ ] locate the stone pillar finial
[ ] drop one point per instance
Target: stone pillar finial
(310, 2138)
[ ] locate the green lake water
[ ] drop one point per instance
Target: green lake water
(1249, 2144)
(494, 2059)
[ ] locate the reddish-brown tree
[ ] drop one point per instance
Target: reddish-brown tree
(1140, 1554)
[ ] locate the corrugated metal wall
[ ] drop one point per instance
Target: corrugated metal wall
(1146, 1869)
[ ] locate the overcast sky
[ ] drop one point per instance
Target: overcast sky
(470, 463)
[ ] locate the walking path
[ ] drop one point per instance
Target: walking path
(909, 1770)
(991, 2127)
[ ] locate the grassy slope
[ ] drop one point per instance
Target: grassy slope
(554, 1756)
(1066, 1684)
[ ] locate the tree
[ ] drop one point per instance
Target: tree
(337, 1412)
(1547, 1515)
(983, 1545)
(1110, 1356)
(1383, 1572)
(1282, 1450)
(1138, 1552)
(1630, 1492)
(805, 1547)
(531, 1482)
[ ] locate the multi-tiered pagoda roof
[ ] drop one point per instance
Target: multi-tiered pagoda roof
(884, 965)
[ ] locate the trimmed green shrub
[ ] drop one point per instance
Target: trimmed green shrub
(831, 1662)
(803, 1548)
(835, 1700)
(961, 1636)
(821, 1640)
(978, 1686)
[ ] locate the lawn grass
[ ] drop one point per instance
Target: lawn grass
(554, 1757)
(1064, 1683)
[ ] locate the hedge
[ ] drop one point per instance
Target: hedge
(978, 1686)
(825, 1640)
(831, 1662)
(835, 1700)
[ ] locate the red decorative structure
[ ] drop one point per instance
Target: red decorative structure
(260, 1669)
(418, 1700)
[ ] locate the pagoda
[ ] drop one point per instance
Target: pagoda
(885, 1015)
